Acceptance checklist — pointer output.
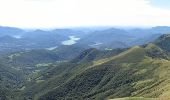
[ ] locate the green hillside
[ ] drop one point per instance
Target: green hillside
(10, 80)
(136, 73)
(141, 71)
(135, 98)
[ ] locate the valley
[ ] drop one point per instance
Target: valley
(84, 50)
(82, 64)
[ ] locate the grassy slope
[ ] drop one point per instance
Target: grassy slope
(57, 74)
(139, 71)
(135, 98)
(131, 73)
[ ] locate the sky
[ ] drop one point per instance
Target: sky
(83, 13)
(161, 3)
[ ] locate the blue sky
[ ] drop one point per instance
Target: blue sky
(77, 13)
(161, 3)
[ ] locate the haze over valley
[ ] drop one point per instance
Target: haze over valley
(84, 50)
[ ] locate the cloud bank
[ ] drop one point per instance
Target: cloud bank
(73, 13)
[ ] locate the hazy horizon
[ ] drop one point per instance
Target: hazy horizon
(82, 27)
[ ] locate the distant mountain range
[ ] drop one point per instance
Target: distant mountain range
(14, 39)
(108, 63)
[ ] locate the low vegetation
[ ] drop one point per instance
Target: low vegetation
(136, 73)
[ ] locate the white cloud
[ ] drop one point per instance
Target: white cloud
(61, 13)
